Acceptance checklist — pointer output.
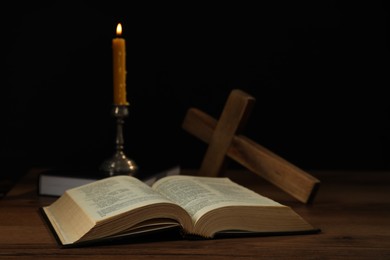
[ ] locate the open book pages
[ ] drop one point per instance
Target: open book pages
(220, 205)
(201, 206)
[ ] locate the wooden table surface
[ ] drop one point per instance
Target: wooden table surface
(351, 208)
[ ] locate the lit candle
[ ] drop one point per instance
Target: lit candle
(119, 66)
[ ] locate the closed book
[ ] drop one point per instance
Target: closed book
(56, 182)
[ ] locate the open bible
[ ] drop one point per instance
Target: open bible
(202, 207)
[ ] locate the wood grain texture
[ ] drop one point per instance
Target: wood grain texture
(352, 209)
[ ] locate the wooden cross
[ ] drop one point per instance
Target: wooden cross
(224, 139)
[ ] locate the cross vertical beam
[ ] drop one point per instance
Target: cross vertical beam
(232, 120)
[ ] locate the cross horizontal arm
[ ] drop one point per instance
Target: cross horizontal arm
(256, 158)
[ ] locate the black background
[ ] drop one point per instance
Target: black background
(318, 71)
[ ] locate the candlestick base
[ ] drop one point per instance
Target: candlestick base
(119, 164)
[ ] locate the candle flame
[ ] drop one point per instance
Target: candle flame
(119, 29)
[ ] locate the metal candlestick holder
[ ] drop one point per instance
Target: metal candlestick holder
(119, 164)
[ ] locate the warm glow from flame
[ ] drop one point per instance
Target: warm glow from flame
(119, 29)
